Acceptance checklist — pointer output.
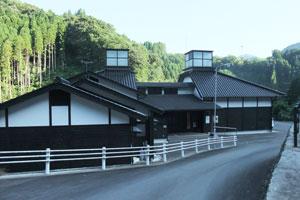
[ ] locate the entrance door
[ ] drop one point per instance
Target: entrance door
(196, 121)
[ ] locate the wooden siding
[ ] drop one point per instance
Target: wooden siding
(65, 137)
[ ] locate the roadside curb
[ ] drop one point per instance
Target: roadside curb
(283, 146)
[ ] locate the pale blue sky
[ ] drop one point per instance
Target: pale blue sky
(235, 27)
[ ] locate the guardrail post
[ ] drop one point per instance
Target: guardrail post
(196, 146)
(164, 152)
(234, 140)
(148, 155)
(103, 158)
(208, 143)
(47, 163)
(182, 150)
(222, 142)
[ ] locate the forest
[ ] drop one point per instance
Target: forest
(37, 45)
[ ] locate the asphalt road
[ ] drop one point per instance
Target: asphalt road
(235, 173)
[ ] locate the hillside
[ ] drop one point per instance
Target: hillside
(36, 46)
(291, 47)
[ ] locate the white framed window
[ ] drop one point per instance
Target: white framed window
(117, 58)
(197, 58)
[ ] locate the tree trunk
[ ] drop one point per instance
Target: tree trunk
(17, 74)
(49, 59)
(40, 68)
(45, 59)
(55, 57)
(33, 58)
(27, 71)
(53, 66)
(10, 88)
(1, 90)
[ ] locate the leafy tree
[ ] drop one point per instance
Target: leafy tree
(160, 61)
(36, 46)
(5, 60)
(283, 69)
(282, 110)
(294, 91)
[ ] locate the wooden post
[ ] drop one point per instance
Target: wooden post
(222, 142)
(148, 155)
(103, 158)
(182, 150)
(164, 152)
(47, 163)
(234, 140)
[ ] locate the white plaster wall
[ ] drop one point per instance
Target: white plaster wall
(2, 118)
(85, 112)
(119, 118)
(222, 102)
(250, 102)
(187, 80)
(196, 93)
(60, 115)
(33, 112)
(235, 103)
(185, 91)
(264, 102)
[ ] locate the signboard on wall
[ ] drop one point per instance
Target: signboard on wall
(207, 119)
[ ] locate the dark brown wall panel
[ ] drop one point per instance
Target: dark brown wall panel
(264, 118)
(64, 137)
(249, 119)
(234, 118)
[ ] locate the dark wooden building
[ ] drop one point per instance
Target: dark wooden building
(109, 108)
(188, 104)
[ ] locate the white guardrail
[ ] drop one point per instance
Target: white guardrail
(49, 156)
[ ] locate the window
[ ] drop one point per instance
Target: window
(142, 90)
(207, 55)
(207, 63)
(117, 58)
(154, 90)
(170, 90)
(199, 59)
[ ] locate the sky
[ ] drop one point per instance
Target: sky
(228, 27)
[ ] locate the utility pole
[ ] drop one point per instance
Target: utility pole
(215, 102)
(86, 63)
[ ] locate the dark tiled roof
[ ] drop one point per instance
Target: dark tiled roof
(164, 84)
(92, 87)
(177, 102)
(123, 76)
(228, 86)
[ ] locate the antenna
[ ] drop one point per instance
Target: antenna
(86, 63)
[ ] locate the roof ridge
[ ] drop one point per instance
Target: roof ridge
(124, 85)
(93, 82)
